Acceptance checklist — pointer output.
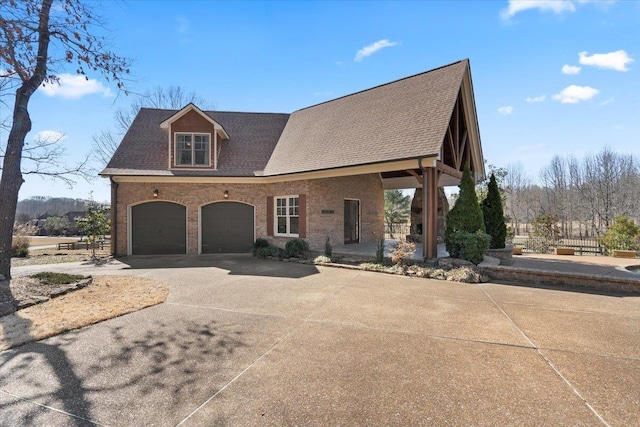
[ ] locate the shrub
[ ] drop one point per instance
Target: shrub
(380, 251)
(544, 232)
(49, 278)
(493, 215)
(262, 252)
(19, 247)
(327, 248)
(471, 246)
(466, 219)
(402, 252)
(259, 243)
(322, 259)
(296, 248)
(622, 234)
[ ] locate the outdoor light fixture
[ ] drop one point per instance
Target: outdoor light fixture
(155, 194)
(226, 194)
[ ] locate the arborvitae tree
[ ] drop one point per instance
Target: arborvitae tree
(494, 215)
(465, 224)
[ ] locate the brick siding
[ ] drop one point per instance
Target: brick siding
(322, 195)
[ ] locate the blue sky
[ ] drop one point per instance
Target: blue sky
(558, 77)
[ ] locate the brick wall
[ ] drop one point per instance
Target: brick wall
(324, 194)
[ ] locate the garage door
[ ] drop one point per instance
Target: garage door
(158, 228)
(226, 227)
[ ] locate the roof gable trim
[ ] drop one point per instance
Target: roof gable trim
(192, 107)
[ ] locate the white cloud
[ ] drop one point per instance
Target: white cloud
(74, 87)
(555, 6)
(505, 111)
(574, 94)
(49, 136)
(570, 69)
(617, 60)
(540, 98)
(373, 48)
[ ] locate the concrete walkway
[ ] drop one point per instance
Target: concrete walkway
(242, 341)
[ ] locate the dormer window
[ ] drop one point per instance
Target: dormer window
(193, 149)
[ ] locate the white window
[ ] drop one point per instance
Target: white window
(286, 216)
(192, 149)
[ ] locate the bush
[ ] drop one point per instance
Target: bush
(622, 234)
(466, 220)
(19, 247)
(327, 248)
(322, 259)
(470, 246)
(259, 243)
(493, 215)
(296, 248)
(402, 252)
(262, 252)
(49, 278)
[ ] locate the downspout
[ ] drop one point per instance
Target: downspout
(114, 216)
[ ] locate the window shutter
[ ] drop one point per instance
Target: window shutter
(302, 215)
(269, 215)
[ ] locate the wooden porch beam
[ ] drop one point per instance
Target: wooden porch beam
(463, 146)
(448, 170)
(416, 176)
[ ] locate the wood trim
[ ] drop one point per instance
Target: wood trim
(302, 216)
(448, 170)
(417, 177)
(270, 216)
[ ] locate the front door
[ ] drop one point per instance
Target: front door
(351, 221)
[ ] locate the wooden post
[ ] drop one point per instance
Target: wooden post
(430, 213)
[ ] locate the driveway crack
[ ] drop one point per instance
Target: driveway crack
(546, 359)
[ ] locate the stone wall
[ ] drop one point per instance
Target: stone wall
(325, 206)
(416, 211)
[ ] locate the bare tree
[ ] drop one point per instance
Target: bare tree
(609, 186)
(27, 30)
(45, 156)
(106, 141)
(516, 187)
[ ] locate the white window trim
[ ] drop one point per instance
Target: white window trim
(275, 215)
(193, 134)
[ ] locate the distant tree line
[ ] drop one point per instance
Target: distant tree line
(582, 196)
(37, 206)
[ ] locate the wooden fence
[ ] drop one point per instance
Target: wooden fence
(584, 245)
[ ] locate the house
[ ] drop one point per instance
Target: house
(195, 182)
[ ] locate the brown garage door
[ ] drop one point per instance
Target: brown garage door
(158, 228)
(227, 227)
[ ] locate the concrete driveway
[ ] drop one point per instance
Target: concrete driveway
(242, 341)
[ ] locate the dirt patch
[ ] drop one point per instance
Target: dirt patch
(48, 240)
(107, 297)
(52, 256)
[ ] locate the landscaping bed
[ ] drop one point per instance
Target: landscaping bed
(105, 297)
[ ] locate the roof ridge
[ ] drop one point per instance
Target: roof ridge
(381, 85)
(175, 110)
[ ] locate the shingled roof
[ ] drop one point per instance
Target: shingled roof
(252, 138)
(404, 119)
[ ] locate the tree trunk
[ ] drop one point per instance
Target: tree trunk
(11, 179)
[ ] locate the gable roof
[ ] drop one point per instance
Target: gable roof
(400, 120)
(192, 107)
(403, 119)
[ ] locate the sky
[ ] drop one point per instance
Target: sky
(550, 77)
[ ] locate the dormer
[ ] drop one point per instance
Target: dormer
(193, 139)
